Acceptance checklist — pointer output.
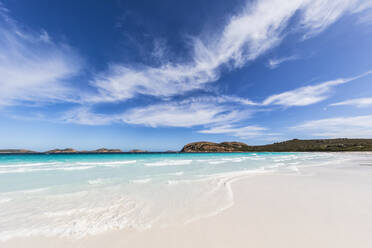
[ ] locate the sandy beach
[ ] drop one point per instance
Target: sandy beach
(320, 206)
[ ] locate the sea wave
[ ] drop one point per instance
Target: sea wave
(97, 181)
(179, 173)
(141, 181)
(5, 200)
(169, 163)
(108, 163)
(26, 170)
(15, 165)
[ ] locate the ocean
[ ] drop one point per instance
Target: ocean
(75, 195)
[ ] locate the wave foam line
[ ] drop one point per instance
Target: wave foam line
(225, 180)
(23, 170)
(109, 163)
(27, 165)
(169, 163)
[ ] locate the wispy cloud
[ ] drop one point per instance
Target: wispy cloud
(222, 112)
(258, 28)
(275, 62)
(357, 102)
(236, 131)
(196, 111)
(317, 15)
(309, 94)
(86, 116)
(347, 127)
(187, 113)
(32, 67)
(366, 16)
(35, 68)
(305, 95)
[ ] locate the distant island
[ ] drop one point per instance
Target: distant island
(70, 150)
(294, 145)
(137, 151)
(59, 151)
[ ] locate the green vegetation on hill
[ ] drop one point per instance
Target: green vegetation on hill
(295, 145)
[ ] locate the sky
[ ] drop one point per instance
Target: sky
(156, 75)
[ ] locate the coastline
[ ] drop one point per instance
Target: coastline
(326, 206)
(294, 145)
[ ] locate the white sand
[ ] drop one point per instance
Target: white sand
(328, 206)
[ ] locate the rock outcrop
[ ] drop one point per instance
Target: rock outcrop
(215, 147)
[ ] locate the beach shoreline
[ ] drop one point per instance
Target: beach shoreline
(318, 206)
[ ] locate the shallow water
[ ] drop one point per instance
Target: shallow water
(78, 195)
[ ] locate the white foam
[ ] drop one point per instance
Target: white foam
(24, 170)
(109, 163)
(79, 222)
(72, 168)
(29, 191)
(169, 163)
(27, 164)
(180, 173)
(172, 182)
(217, 162)
(96, 181)
(225, 180)
(141, 181)
(5, 200)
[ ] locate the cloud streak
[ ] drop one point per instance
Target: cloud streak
(258, 28)
(357, 102)
(307, 95)
(346, 127)
(243, 132)
(32, 67)
(275, 62)
(198, 111)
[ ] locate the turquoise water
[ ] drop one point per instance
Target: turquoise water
(78, 195)
(27, 172)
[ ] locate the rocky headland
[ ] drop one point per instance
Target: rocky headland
(295, 145)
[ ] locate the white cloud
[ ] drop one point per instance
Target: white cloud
(223, 99)
(346, 127)
(241, 132)
(258, 28)
(305, 95)
(275, 62)
(85, 116)
(184, 114)
(317, 15)
(309, 94)
(358, 102)
(32, 67)
(365, 12)
(191, 112)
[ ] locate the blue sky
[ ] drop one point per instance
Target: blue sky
(156, 75)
